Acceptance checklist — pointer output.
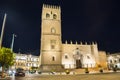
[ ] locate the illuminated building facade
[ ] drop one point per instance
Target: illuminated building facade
(57, 55)
(113, 60)
(25, 61)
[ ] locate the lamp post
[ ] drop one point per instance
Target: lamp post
(13, 37)
(2, 32)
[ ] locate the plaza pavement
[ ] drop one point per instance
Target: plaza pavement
(93, 76)
(63, 76)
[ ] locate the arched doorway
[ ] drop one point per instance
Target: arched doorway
(78, 58)
(78, 63)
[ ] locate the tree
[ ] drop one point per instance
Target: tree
(6, 58)
(34, 68)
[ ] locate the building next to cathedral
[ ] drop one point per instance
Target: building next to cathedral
(25, 61)
(57, 55)
(113, 60)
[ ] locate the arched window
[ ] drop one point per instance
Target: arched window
(47, 15)
(52, 46)
(53, 58)
(54, 16)
(66, 56)
(88, 57)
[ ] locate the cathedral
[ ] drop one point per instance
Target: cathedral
(55, 55)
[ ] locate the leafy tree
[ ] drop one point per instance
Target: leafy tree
(34, 68)
(6, 58)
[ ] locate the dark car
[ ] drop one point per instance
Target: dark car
(20, 73)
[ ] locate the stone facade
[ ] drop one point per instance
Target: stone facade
(103, 59)
(78, 55)
(51, 37)
(55, 54)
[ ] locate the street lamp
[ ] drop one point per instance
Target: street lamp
(2, 32)
(13, 37)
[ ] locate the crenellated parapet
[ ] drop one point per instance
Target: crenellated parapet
(86, 43)
(51, 6)
(94, 43)
(76, 42)
(80, 43)
(71, 42)
(66, 42)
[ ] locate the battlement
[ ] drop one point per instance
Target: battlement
(51, 6)
(81, 43)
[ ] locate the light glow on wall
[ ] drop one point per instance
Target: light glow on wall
(88, 61)
(68, 64)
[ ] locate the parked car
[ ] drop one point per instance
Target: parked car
(20, 73)
(32, 71)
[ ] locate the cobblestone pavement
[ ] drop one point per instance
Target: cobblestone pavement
(98, 76)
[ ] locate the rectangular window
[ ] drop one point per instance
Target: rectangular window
(52, 46)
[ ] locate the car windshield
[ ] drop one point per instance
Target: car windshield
(19, 70)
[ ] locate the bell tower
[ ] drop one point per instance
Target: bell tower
(50, 56)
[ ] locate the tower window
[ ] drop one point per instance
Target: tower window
(47, 15)
(54, 16)
(66, 56)
(53, 58)
(88, 57)
(52, 46)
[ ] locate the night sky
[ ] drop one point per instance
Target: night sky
(82, 20)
